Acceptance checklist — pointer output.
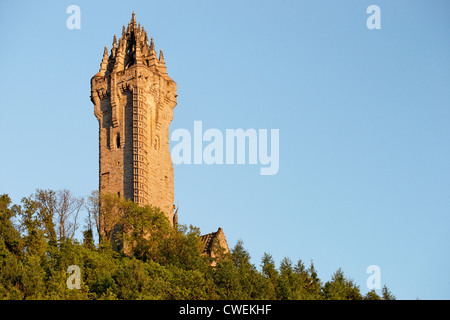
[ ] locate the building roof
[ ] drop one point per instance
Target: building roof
(209, 239)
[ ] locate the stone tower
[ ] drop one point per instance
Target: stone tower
(133, 101)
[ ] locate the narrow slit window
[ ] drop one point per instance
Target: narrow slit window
(118, 141)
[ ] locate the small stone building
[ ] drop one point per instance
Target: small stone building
(213, 239)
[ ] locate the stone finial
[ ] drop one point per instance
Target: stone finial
(152, 60)
(119, 55)
(122, 42)
(145, 38)
(161, 64)
(152, 45)
(114, 42)
(104, 63)
(105, 58)
(133, 19)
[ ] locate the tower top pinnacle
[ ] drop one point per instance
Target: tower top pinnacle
(152, 44)
(114, 42)
(133, 48)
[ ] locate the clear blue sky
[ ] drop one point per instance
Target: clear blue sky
(364, 120)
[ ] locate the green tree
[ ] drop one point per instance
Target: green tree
(132, 281)
(139, 256)
(88, 239)
(182, 247)
(34, 238)
(11, 275)
(386, 294)
(341, 288)
(111, 211)
(33, 278)
(286, 280)
(93, 210)
(305, 284)
(250, 279)
(226, 278)
(372, 295)
(143, 230)
(10, 238)
(270, 273)
(46, 203)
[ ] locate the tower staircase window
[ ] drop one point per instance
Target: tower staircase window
(118, 141)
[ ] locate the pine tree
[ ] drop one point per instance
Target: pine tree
(386, 294)
(9, 235)
(341, 288)
(372, 295)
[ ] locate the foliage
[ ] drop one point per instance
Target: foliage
(138, 255)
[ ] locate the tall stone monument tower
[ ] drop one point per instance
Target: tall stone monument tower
(133, 101)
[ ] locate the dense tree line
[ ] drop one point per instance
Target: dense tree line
(138, 256)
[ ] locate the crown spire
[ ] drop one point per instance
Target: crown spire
(114, 42)
(152, 60)
(133, 19)
(132, 47)
(152, 45)
(104, 63)
(145, 37)
(161, 64)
